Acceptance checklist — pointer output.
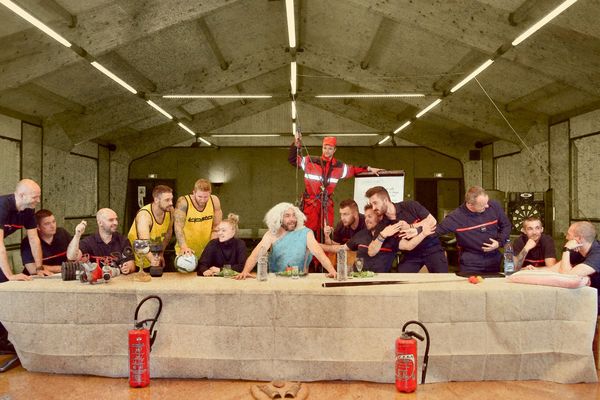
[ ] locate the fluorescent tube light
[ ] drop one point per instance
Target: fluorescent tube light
(241, 135)
(472, 75)
(294, 110)
(217, 96)
(206, 142)
(291, 22)
(385, 139)
(368, 95)
(404, 125)
(35, 22)
(429, 107)
(294, 132)
(159, 109)
(293, 82)
(112, 76)
(185, 128)
(549, 17)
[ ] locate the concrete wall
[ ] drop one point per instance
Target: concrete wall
(257, 178)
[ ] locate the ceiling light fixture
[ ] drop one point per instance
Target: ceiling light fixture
(291, 22)
(549, 17)
(112, 76)
(404, 125)
(294, 128)
(472, 75)
(368, 95)
(294, 115)
(185, 128)
(35, 22)
(217, 96)
(159, 109)
(293, 82)
(429, 107)
(249, 135)
(385, 139)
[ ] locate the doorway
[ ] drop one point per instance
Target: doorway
(439, 195)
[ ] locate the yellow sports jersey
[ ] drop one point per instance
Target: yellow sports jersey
(157, 232)
(198, 226)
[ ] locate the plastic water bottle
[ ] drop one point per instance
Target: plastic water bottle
(509, 262)
(342, 266)
(262, 269)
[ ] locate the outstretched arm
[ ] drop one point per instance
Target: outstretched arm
(180, 213)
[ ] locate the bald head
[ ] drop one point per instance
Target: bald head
(108, 222)
(27, 194)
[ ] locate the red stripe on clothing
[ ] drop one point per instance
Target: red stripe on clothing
(469, 228)
(54, 256)
(14, 226)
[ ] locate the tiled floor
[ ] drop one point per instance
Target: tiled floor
(20, 384)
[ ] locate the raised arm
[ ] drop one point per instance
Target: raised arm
(73, 252)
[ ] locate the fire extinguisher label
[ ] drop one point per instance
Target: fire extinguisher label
(405, 367)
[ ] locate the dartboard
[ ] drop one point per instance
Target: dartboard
(523, 211)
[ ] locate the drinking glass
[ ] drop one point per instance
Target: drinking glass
(294, 272)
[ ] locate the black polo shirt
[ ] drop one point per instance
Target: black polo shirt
(380, 262)
(11, 219)
(592, 259)
(95, 246)
(543, 249)
(342, 233)
(410, 211)
(54, 253)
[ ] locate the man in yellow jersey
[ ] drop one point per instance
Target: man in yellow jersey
(196, 216)
(154, 222)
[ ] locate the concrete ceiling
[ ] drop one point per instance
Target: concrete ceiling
(228, 46)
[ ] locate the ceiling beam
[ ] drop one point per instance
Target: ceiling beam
(522, 13)
(462, 68)
(544, 92)
(99, 30)
(122, 68)
(374, 47)
(212, 43)
(53, 6)
(555, 119)
(183, 113)
(50, 96)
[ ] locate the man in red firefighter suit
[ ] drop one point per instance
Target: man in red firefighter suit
(321, 175)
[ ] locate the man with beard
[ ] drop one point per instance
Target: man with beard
(351, 221)
(481, 227)
(397, 220)
(196, 217)
(292, 243)
(321, 175)
(16, 212)
(105, 241)
(534, 247)
(153, 222)
(381, 260)
(54, 243)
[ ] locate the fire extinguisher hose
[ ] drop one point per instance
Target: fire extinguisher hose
(140, 324)
(420, 337)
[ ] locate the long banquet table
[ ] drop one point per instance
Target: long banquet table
(297, 330)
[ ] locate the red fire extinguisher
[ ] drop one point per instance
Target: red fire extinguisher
(406, 358)
(140, 345)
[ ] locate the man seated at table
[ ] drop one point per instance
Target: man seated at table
(534, 247)
(351, 221)
(54, 244)
(481, 227)
(292, 243)
(106, 241)
(379, 261)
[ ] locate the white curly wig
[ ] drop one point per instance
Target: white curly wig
(274, 216)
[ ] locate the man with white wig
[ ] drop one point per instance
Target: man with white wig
(292, 243)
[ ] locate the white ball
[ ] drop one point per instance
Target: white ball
(185, 263)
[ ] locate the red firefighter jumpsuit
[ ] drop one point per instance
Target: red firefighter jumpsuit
(320, 179)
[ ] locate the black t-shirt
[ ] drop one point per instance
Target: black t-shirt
(54, 253)
(592, 259)
(95, 246)
(411, 212)
(342, 233)
(380, 262)
(536, 256)
(11, 219)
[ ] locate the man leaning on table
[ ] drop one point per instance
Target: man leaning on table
(292, 243)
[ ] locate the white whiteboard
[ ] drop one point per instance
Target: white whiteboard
(393, 181)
